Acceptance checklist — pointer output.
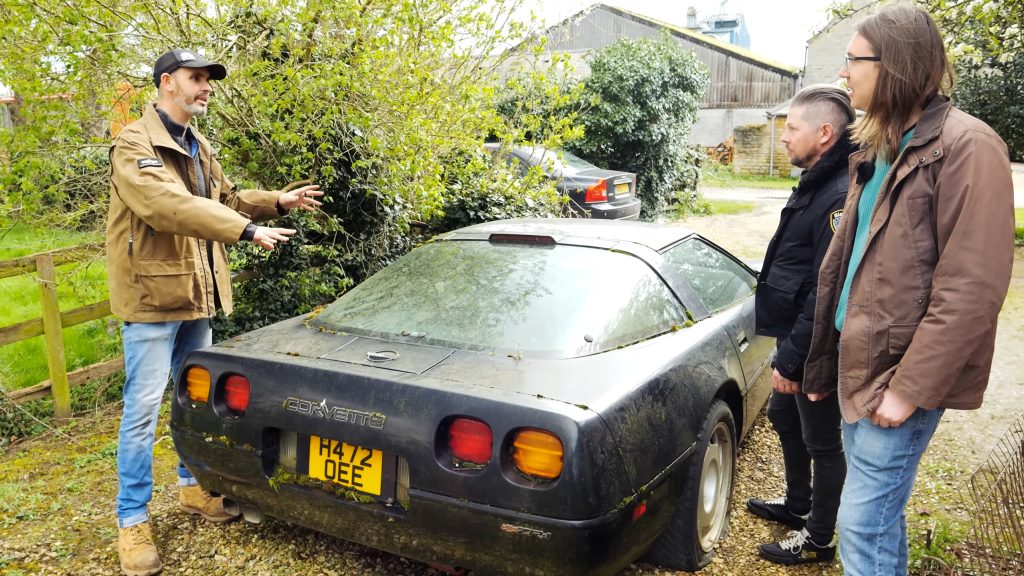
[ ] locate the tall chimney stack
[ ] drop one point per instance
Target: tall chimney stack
(691, 17)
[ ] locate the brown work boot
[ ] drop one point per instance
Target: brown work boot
(198, 501)
(136, 550)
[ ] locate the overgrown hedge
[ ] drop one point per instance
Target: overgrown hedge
(384, 104)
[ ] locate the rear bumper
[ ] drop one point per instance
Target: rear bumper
(434, 528)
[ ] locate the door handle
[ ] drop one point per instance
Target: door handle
(742, 342)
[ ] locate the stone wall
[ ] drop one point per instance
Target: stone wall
(753, 150)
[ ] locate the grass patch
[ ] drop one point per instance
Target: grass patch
(106, 452)
(1019, 217)
(23, 363)
(718, 176)
(21, 240)
(937, 521)
(946, 536)
(730, 206)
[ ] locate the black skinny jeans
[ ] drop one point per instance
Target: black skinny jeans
(811, 435)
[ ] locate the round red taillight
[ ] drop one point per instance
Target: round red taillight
(236, 393)
(470, 440)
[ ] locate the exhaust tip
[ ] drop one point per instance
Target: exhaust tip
(252, 515)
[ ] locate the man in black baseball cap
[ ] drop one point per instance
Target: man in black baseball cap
(181, 58)
(173, 207)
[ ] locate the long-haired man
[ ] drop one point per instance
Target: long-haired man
(910, 289)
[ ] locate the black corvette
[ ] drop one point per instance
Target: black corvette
(519, 397)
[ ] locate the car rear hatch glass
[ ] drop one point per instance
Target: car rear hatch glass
(539, 298)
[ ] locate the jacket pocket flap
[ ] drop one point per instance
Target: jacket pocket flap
(900, 336)
(164, 267)
(785, 280)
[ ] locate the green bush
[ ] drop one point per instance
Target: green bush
(484, 190)
(36, 417)
(685, 199)
(380, 103)
(644, 96)
(990, 90)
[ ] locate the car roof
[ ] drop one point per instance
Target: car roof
(654, 236)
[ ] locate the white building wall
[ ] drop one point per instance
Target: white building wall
(825, 51)
(715, 125)
(5, 110)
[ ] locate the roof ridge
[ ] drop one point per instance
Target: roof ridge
(711, 41)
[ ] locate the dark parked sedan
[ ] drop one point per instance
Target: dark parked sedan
(553, 397)
(592, 191)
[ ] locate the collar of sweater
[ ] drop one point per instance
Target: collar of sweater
(181, 134)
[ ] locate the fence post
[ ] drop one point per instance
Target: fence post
(59, 387)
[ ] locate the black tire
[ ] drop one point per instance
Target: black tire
(701, 517)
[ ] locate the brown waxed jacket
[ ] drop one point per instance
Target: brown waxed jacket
(159, 225)
(922, 310)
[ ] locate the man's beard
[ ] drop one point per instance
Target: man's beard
(800, 161)
(193, 109)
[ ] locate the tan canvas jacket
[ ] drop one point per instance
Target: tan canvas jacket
(158, 226)
(922, 308)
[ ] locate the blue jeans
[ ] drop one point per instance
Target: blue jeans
(151, 350)
(881, 466)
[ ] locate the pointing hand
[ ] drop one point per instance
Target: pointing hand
(269, 237)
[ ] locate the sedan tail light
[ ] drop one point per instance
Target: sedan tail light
(236, 393)
(470, 440)
(538, 453)
(597, 192)
(197, 384)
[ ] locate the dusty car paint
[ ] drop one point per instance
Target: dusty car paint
(627, 418)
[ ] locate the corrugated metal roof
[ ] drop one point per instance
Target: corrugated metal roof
(738, 79)
(710, 41)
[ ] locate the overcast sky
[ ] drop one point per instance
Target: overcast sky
(778, 30)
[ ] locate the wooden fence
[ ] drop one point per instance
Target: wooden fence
(51, 325)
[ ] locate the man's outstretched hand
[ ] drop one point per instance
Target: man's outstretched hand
(304, 197)
(269, 237)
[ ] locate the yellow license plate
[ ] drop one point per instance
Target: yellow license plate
(352, 466)
(622, 189)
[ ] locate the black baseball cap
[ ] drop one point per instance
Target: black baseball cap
(179, 58)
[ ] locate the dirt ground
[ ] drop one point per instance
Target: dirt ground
(57, 491)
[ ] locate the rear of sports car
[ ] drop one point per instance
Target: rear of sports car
(455, 407)
(440, 471)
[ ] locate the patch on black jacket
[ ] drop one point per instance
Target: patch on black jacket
(834, 219)
(149, 163)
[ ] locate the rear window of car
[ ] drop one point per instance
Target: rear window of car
(558, 161)
(549, 300)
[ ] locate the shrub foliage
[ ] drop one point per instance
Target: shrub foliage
(990, 90)
(383, 103)
(645, 96)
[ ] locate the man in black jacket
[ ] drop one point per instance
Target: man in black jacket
(816, 139)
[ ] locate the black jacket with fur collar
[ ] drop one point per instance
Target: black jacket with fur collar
(788, 278)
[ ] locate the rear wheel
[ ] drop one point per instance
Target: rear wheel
(701, 517)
